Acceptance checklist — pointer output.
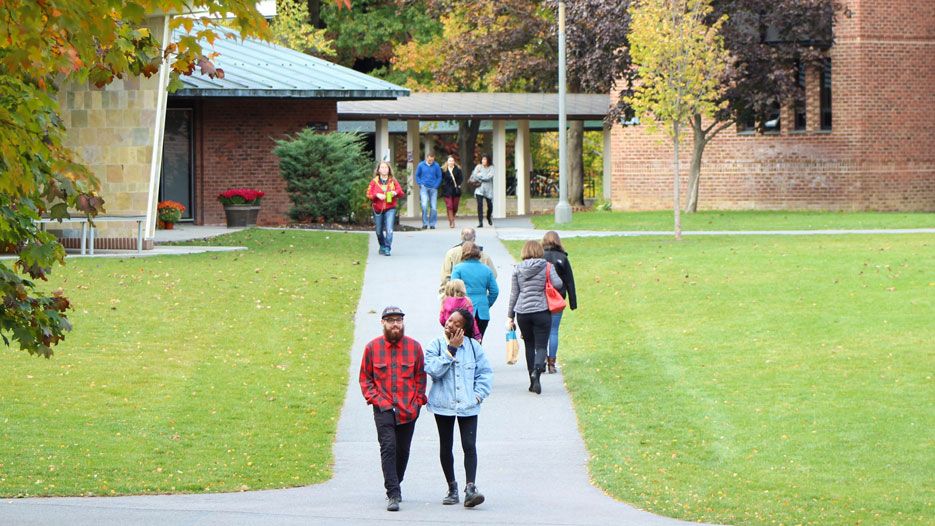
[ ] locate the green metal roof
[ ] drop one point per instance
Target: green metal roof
(253, 68)
(451, 127)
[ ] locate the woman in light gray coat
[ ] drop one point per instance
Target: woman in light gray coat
(483, 175)
(530, 307)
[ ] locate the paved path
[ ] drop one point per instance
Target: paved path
(532, 460)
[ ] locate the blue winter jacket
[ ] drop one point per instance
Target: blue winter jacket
(480, 283)
(430, 176)
(458, 381)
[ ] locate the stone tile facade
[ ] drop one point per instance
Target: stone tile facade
(114, 130)
(879, 155)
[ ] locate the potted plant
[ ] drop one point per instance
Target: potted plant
(169, 212)
(241, 206)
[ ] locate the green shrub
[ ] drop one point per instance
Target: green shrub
(360, 205)
(323, 173)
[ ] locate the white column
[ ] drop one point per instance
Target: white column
(608, 165)
(427, 144)
(499, 168)
(521, 153)
(412, 159)
(159, 129)
(381, 140)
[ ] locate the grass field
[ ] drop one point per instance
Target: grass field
(199, 373)
(662, 221)
(757, 380)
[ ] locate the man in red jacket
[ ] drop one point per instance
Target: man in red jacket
(392, 379)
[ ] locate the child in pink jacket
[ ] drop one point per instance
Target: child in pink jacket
(456, 298)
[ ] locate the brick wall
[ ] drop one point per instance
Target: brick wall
(234, 141)
(880, 154)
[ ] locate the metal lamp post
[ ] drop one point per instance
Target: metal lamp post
(562, 209)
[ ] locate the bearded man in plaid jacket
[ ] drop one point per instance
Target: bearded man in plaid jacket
(392, 379)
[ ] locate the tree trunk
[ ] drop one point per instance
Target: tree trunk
(576, 163)
(314, 14)
(675, 189)
(467, 142)
(697, 151)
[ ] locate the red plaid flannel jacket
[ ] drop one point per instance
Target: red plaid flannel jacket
(393, 376)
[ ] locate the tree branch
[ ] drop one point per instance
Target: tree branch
(715, 132)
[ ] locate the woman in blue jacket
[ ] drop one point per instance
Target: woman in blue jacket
(461, 380)
(480, 283)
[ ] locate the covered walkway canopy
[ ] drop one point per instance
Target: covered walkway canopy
(498, 107)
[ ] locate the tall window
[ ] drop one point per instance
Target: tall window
(825, 95)
(177, 183)
(773, 122)
(746, 124)
(800, 119)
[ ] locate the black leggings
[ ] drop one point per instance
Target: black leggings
(446, 433)
(535, 327)
(480, 209)
(482, 327)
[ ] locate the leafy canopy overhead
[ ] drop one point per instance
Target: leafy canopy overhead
(45, 44)
(484, 45)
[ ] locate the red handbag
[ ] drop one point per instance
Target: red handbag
(555, 299)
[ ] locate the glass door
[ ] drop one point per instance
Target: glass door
(177, 182)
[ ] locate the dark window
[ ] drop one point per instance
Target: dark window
(177, 183)
(825, 97)
(800, 104)
(746, 124)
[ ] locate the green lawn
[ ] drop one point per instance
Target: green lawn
(662, 221)
(758, 380)
(199, 373)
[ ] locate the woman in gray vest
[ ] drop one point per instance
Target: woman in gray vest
(483, 176)
(531, 308)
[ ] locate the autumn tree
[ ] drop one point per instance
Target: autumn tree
(365, 37)
(45, 44)
(769, 42)
(484, 45)
(294, 28)
(680, 62)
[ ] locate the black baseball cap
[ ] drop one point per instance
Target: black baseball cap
(392, 310)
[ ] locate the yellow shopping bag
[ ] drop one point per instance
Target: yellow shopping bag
(512, 348)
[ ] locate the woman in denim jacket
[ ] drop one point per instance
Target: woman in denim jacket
(461, 380)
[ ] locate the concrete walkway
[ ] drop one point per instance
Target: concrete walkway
(532, 460)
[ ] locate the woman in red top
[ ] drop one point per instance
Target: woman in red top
(383, 192)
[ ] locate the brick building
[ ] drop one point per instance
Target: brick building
(865, 141)
(145, 146)
(220, 133)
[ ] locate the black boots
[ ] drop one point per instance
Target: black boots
(472, 497)
(535, 386)
(452, 497)
(392, 503)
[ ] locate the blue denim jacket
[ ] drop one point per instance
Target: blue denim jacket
(457, 382)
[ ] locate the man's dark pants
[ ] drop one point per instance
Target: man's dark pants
(394, 448)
